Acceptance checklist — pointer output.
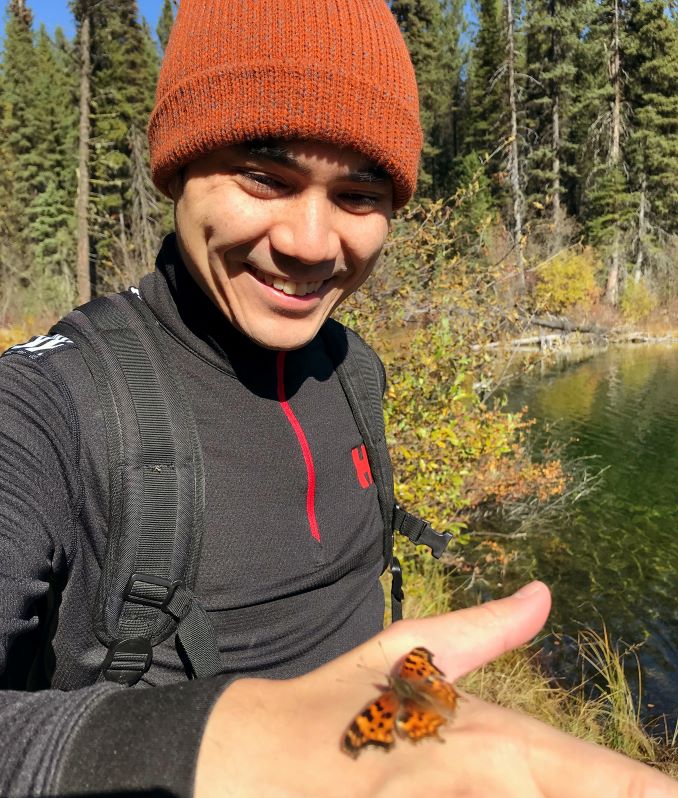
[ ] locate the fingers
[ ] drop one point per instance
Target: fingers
(506, 753)
(564, 767)
(617, 777)
(466, 639)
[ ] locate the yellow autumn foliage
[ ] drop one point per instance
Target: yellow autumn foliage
(567, 280)
(637, 300)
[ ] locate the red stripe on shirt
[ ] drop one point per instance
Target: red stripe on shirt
(305, 448)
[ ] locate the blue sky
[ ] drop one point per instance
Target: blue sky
(55, 12)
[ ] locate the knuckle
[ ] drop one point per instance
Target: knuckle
(494, 620)
(638, 786)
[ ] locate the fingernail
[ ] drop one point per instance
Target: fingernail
(528, 590)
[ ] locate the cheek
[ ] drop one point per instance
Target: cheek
(369, 244)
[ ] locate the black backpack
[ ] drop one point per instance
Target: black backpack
(157, 483)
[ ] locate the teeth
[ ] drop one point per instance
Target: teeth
(287, 286)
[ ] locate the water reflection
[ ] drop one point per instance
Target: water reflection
(616, 559)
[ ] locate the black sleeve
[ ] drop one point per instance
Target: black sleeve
(140, 742)
(40, 493)
(101, 738)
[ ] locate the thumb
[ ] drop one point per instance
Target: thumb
(466, 639)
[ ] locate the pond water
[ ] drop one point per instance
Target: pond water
(614, 559)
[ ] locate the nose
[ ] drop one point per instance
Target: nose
(306, 231)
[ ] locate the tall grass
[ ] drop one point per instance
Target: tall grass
(601, 709)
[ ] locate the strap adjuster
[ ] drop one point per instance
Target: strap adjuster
(420, 532)
(151, 598)
(127, 660)
(397, 593)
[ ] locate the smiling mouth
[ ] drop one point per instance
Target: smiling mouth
(288, 287)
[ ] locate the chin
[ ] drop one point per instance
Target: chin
(284, 341)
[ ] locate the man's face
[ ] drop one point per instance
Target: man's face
(278, 234)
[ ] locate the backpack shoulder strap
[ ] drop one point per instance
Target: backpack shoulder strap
(156, 492)
(363, 379)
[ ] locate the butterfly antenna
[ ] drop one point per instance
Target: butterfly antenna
(383, 653)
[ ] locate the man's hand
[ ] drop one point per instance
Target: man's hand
(280, 739)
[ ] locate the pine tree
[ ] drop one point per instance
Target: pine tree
(53, 120)
(609, 207)
(36, 174)
(124, 74)
(485, 96)
(552, 33)
(605, 199)
(18, 172)
(431, 29)
(652, 149)
(165, 24)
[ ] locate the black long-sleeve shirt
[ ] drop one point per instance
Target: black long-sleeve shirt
(288, 582)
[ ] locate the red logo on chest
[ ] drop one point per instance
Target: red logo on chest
(362, 466)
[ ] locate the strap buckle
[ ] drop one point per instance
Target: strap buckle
(420, 532)
(397, 592)
(151, 598)
(127, 660)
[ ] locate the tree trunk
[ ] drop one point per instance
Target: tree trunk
(615, 80)
(514, 162)
(642, 228)
(612, 287)
(144, 229)
(84, 273)
(555, 165)
(556, 209)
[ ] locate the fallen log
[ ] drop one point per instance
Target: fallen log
(560, 323)
(541, 341)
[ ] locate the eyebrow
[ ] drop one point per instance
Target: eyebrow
(279, 154)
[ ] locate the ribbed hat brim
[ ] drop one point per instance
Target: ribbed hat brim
(381, 124)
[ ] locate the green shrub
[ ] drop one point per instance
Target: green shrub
(431, 311)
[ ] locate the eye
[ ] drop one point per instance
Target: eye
(359, 202)
(261, 182)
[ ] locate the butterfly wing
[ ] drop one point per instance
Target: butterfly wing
(417, 721)
(374, 725)
(428, 680)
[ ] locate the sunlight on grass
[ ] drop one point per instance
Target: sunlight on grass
(601, 709)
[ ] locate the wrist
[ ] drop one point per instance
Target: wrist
(280, 739)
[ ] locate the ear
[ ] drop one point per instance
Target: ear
(176, 185)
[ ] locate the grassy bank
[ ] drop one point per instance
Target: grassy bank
(605, 714)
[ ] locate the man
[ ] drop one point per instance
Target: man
(286, 133)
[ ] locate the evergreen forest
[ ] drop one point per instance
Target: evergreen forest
(557, 119)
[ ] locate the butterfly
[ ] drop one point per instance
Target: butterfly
(416, 703)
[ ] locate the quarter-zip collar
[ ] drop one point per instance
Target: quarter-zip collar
(190, 316)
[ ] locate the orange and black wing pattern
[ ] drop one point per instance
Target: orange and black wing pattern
(416, 704)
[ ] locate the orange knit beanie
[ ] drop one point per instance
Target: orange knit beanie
(336, 71)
